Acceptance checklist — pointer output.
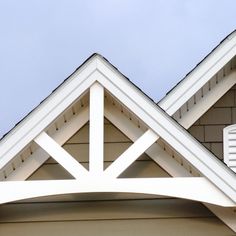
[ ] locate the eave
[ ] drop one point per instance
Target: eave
(200, 75)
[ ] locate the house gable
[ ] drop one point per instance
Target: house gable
(101, 77)
(204, 102)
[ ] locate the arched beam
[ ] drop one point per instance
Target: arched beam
(192, 188)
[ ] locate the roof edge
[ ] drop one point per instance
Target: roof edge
(196, 73)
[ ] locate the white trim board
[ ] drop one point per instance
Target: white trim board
(220, 56)
(194, 188)
(98, 69)
(40, 156)
(162, 158)
(189, 118)
(167, 128)
(200, 75)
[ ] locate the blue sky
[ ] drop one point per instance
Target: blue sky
(154, 43)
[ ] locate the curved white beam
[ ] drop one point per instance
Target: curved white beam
(192, 188)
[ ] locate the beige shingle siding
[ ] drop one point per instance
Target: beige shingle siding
(208, 129)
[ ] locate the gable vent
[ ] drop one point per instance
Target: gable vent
(230, 147)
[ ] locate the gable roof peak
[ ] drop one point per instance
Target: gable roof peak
(200, 74)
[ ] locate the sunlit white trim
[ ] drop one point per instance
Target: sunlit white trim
(131, 154)
(61, 156)
(199, 76)
(189, 118)
(167, 128)
(155, 152)
(44, 114)
(31, 164)
(193, 188)
(96, 129)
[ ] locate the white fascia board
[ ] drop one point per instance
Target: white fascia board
(190, 117)
(48, 111)
(199, 76)
(40, 156)
(167, 128)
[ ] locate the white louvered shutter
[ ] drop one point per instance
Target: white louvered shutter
(230, 147)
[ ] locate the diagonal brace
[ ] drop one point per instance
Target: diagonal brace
(61, 155)
(131, 154)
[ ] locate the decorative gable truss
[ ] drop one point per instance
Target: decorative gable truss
(81, 99)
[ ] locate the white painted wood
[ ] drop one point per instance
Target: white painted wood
(61, 155)
(229, 134)
(48, 111)
(131, 154)
(176, 136)
(155, 152)
(138, 103)
(193, 188)
(154, 117)
(189, 118)
(40, 156)
(200, 76)
(96, 129)
(227, 215)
